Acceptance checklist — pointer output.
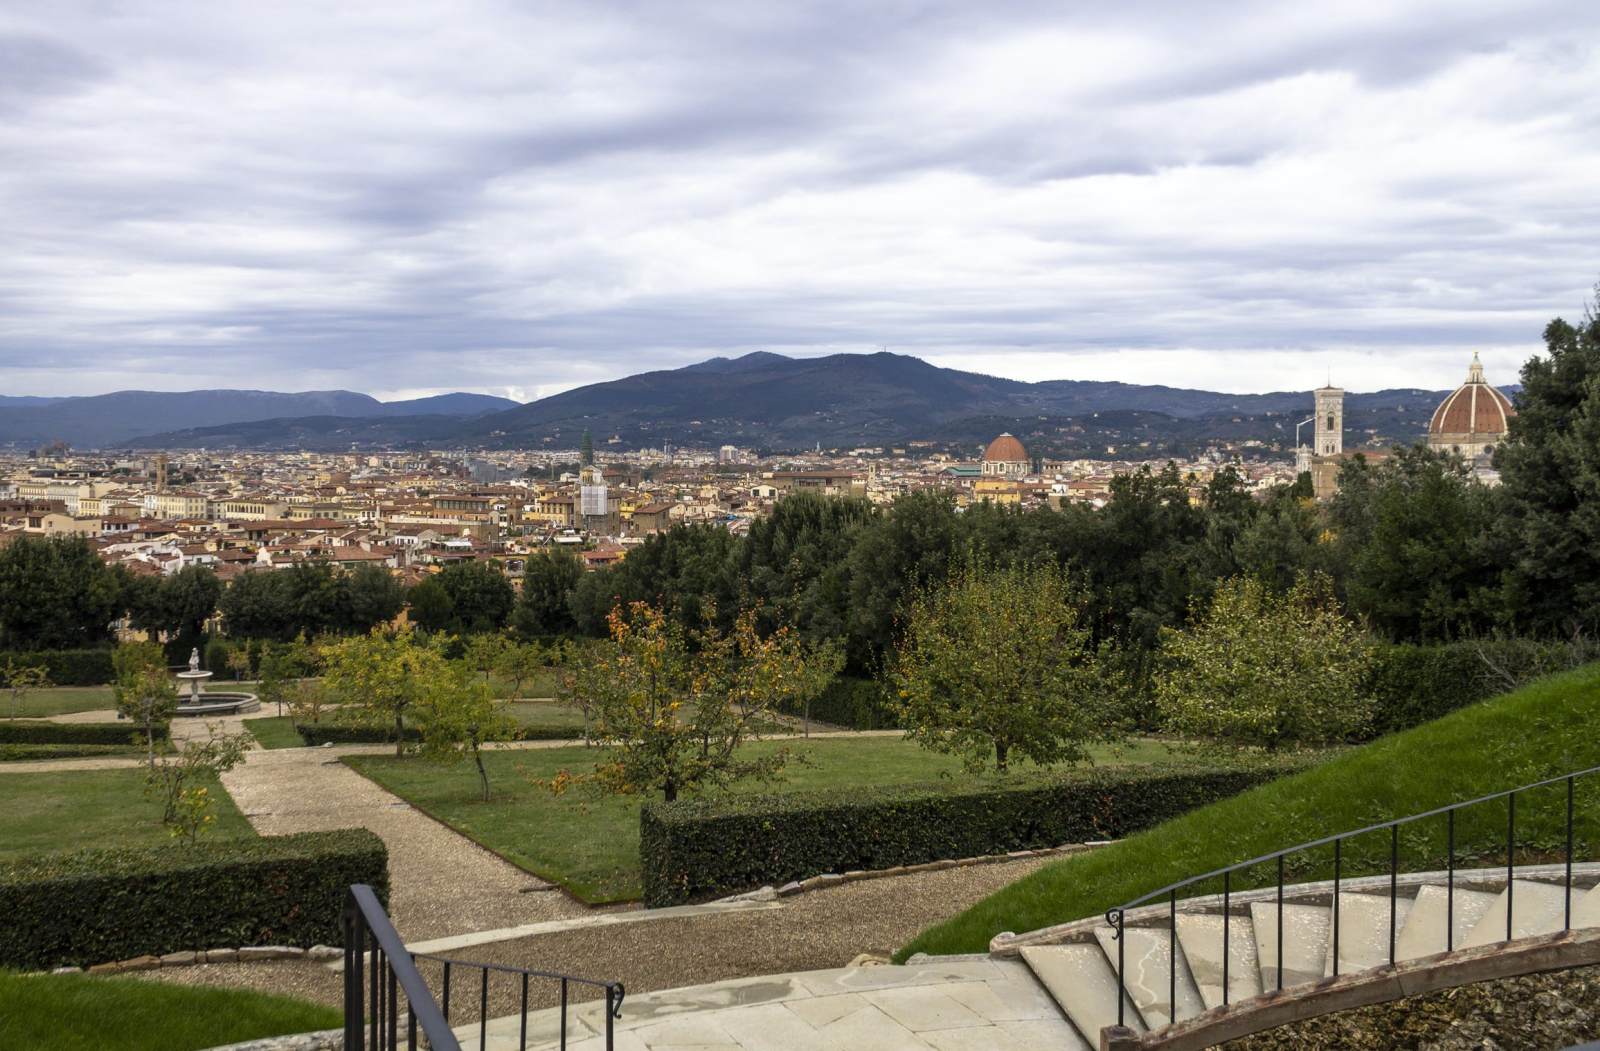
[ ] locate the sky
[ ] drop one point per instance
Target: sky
(519, 198)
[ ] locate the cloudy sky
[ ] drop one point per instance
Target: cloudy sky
(522, 197)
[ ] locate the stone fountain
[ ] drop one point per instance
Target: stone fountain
(199, 702)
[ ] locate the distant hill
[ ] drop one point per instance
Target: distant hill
(770, 401)
(109, 420)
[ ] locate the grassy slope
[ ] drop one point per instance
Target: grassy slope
(274, 731)
(61, 700)
(83, 1012)
(93, 808)
(591, 846)
(1543, 730)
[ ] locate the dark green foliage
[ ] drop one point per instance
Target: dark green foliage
(67, 667)
(481, 598)
(791, 562)
(691, 850)
(14, 753)
(55, 593)
(176, 606)
(1550, 470)
(430, 606)
(93, 906)
(309, 598)
(853, 703)
(374, 597)
(346, 733)
(545, 606)
(1413, 685)
(24, 731)
(685, 570)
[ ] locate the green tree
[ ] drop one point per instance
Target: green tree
(55, 593)
(381, 678)
(258, 605)
(21, 679)
(792, 562)
(545, 606)
(999, 662)
(430, 606)
(188, 599)
(1260, 667)
(673, 706)
(375, 597)
(178, 781)
(1550, 472)
(143, 690)
(457, 715)
(481, 595)
(519, 662)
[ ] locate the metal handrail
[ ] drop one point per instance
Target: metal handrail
(1117, 915)
(424, 1013)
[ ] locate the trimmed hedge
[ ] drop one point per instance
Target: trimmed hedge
(66, 667)
(1413, 685)
(93, 906)
(34, 731)
(14, 753)
(346, 733)
(693, 850)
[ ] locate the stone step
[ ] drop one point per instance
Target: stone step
(1536, 908)
(1200, 938)
(1424, 930)
(1585, 912)
(1147, 973)
(1305, 942)
(1079, 978)
(1363, 921)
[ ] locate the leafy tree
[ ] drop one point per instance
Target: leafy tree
(907, 549)
(238, 662)
(22, 679)
(1259, 667)
(457, 715)
(55, 593)
(281, 668)
(674, 706)
(998, 662)
(1283, 540)
(143, 690)
(481, 596)
(790, 562)
(375, 597)
(687, 571)
(188, 599)
(483, 652)
(383, 677)
(1550, 471)
(519, 662)
(257, 604)
(545, 606)
(430, 606)
(177, 781)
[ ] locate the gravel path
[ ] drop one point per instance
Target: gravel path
(440, 882)
(821, 928)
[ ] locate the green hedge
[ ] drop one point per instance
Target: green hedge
(1413, 685)
(692, 850)
(93, 906)
(345, 733)
(14, 753)
(856, 704)
(66, 667)
(26, 731)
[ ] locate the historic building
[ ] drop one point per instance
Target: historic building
(1006, 458)
(1473, 419)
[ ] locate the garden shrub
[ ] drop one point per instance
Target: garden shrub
(90, 667)
(1413, 685)
(13, 753)
(695, 849)
(93, 906)
(35, 731)
(351, 733)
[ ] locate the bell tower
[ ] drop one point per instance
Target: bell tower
(1330, 421)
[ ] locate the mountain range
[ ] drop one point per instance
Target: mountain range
(761, 400)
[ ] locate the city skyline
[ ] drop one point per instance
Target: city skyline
(519, 203)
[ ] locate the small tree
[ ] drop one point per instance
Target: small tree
(457, 714)
(143, 690)
(518, 663)
(186, 802)
(381, 677)
(997, 662)
(1259, 667)
(239, 662)
(21, 680)
(483, 652)
(674, 707)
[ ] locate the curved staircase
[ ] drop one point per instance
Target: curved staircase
(1433, 913)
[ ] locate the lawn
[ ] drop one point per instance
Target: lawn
(89, 1012)
(92, 808)
(1544, 730)
(541, 685)
(591, 845)
(547, 718)
(274, 731)
(61, 700)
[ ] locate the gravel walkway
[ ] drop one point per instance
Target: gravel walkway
(818, 929)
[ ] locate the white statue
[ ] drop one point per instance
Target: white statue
(194, 659)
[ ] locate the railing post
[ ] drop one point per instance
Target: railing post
(1122, 998)
(1338, 864)
(1280, 923)
(1450, 883)
(1394, 884)
(611, 1020)
(563, 1014)
(1566, 900)
(1227, 917)
(1172, 952)
(522, 1040)
(1511, 834)
(353, 1012)
(483, 1013)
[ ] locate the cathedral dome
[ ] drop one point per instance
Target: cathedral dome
(1005, 449)
(1474, 414)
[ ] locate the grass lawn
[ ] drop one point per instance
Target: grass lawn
(87, 1012)
(61, 700)
(274, 731)
(1544, 730)
(591, 846)
(542, 684)
(547, 718)
(68, 810)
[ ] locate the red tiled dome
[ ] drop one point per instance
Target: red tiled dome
(1005, 449)
(1472, 408)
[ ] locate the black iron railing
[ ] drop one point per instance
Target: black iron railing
(379, 973)
(1116, 917)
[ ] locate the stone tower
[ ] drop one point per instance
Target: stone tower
(1330, 421)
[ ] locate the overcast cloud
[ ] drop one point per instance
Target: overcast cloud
(518, 198)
